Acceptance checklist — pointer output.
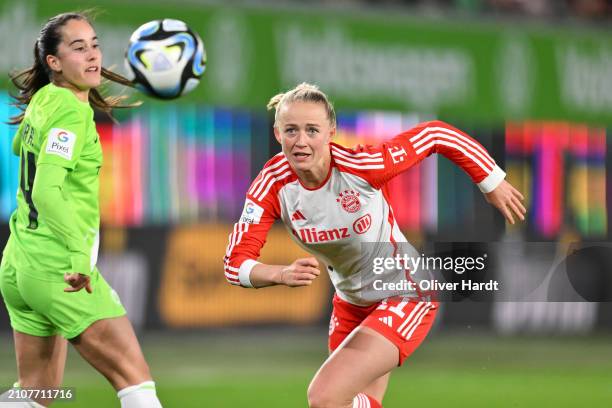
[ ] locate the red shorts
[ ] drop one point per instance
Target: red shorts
(405, 323)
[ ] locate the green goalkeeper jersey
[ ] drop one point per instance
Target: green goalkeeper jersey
(54, 229)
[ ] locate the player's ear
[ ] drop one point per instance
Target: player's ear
(332, 134)
(54, 63)
(277, 134)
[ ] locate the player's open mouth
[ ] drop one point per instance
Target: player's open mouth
(92, 69)
(301, 156)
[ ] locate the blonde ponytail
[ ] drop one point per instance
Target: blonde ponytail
(304, 92)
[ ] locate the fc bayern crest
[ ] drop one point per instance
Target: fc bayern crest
(349, 200)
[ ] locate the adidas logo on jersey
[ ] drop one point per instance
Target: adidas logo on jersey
(298, 216)
(313, 235)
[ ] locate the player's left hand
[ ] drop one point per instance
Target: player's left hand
(508, 200)
(77, 281)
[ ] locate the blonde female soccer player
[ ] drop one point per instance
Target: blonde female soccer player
(54, 231)
(334, 202)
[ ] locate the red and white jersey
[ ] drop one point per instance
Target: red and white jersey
(347, 221)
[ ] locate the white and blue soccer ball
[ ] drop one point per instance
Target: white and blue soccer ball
(165, 58)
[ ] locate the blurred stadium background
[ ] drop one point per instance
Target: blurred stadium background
(531, 80)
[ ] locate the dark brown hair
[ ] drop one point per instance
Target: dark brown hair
(31, 79)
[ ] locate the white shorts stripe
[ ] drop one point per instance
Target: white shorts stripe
(417, 320)
(418, 323)
(410, 316)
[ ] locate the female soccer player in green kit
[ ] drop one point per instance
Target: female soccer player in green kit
(54, 231)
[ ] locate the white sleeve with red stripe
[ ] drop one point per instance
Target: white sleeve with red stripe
(261, 209)
(378, 164)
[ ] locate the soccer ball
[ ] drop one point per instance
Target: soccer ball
(165, 58)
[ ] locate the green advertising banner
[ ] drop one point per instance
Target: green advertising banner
(382, 61)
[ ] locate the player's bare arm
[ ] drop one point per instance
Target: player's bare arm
(302, 272)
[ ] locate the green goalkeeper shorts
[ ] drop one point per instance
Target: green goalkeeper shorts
(40, 307)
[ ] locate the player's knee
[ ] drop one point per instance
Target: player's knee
(321, 396)
(315, 396)
(317, 400)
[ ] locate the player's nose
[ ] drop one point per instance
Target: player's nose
(93, 54)
(301, 139)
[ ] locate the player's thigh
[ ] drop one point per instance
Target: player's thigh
(110, 346)
(40, 360)
(363, 357)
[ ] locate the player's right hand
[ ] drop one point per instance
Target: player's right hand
(508, 200)
(300, 273)
(77, 281)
